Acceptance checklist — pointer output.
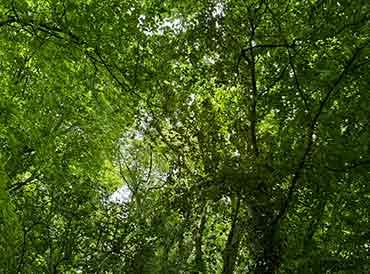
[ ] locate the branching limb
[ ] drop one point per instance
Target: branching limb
(309, 143)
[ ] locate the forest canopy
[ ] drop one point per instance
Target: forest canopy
(187, 136)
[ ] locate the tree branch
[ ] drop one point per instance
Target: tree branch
(18, 185)
(300, 166)
(351, 166)
(253, 96)
(298, 86)
(8, 21)
(266, 46)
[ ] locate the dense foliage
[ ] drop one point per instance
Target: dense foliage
(218, 136)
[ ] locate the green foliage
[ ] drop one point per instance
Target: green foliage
(184, 136)
(9, 230)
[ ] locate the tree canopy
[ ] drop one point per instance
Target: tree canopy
(218, 136)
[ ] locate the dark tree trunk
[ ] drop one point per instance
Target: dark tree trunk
(199, 242)
(232, 245)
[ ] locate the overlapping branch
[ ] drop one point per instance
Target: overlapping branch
(297, 174)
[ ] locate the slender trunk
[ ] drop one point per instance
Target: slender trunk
(267, 245)
(21, 260)
(199, 242)
(232, 245)
(253, 95)
(268, 262)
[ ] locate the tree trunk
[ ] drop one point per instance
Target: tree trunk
(232, 245)
(199, 262)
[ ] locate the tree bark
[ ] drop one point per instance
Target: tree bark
(232, 245)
